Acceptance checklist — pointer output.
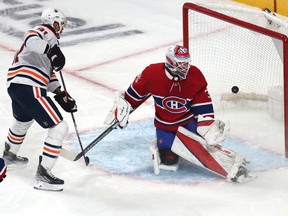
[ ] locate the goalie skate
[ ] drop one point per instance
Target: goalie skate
(243, 176)
(246, 178)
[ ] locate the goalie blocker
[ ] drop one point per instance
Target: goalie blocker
(214, 158)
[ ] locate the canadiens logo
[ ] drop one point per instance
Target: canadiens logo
(174, 104)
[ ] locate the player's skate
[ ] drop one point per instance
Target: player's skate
(45, 180)
(12, 160)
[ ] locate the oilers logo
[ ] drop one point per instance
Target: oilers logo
(175, 104)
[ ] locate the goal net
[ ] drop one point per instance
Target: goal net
(239, 47)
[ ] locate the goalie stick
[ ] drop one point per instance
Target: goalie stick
(74, 157)
(98, 139)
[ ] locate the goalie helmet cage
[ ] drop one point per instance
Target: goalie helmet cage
(230, 40)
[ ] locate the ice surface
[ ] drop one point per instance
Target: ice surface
(120, 180)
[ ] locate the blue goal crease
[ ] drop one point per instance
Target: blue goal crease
(126, 152)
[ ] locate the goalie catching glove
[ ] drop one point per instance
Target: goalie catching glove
(213, 131)
(66, 101)
(119, 112)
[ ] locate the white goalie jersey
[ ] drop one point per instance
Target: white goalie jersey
(31, 66)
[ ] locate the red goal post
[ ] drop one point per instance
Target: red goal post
(259, 44)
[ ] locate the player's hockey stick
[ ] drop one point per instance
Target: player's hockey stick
(87, 160)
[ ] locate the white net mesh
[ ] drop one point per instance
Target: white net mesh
(230, 55)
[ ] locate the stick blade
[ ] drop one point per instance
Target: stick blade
(68, 154)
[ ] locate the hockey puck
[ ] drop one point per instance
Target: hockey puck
(235, 89)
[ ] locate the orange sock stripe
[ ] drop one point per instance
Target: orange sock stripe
(53, 151)
(15, 139)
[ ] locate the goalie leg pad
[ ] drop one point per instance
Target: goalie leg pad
(193, 148)
(155, 158)
(157, 165)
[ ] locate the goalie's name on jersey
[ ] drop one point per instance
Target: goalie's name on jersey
(176, 101)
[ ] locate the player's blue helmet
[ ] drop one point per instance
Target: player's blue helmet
(177, 61)
(51, 15)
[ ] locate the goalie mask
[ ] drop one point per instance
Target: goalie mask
(177, 61)
(54, 18)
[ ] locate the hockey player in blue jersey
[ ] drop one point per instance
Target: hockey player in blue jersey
(31, 76)
(3, 169)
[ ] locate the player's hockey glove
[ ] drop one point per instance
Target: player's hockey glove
(56, 57)
(66, 101)
(213, 131)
